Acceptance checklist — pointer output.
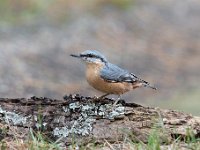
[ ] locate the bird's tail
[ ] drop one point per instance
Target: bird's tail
(144, 83)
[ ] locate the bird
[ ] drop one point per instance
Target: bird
(107, 77)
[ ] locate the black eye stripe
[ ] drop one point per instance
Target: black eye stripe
(92, 56)
(87, 55)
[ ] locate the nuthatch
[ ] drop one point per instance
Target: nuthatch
(109, 78)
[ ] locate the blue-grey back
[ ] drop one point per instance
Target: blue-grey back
(113, 73)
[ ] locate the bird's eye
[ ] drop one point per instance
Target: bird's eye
(90, 55)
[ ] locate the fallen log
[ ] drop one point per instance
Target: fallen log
(87, 119)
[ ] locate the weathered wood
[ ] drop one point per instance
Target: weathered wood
(85, 119)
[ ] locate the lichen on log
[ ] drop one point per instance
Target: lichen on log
(89, 119)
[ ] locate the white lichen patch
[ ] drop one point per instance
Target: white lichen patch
(88, 110)
(79, 126)
(63, 131)
(73, 106)
(88, 107)
(118, 111)
(39, 125)
(109, 112)
(83, 125)
(65, 109)
(13, 118)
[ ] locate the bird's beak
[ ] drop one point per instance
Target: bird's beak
(77, 56)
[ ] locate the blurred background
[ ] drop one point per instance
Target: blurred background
(157, 40)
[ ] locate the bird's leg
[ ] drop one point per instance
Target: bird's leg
(115, 103)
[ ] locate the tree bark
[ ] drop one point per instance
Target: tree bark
(85, 119)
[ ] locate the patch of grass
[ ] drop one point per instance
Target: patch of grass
(154, 142)
(3, 131)
(36, 141)
(158, 139)
(3, 145)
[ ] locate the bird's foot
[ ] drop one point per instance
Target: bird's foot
(95, 99)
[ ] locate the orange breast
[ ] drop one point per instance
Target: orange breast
(94, 79)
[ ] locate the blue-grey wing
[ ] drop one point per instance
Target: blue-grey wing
(113, 73)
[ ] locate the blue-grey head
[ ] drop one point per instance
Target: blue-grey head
(91, 56)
